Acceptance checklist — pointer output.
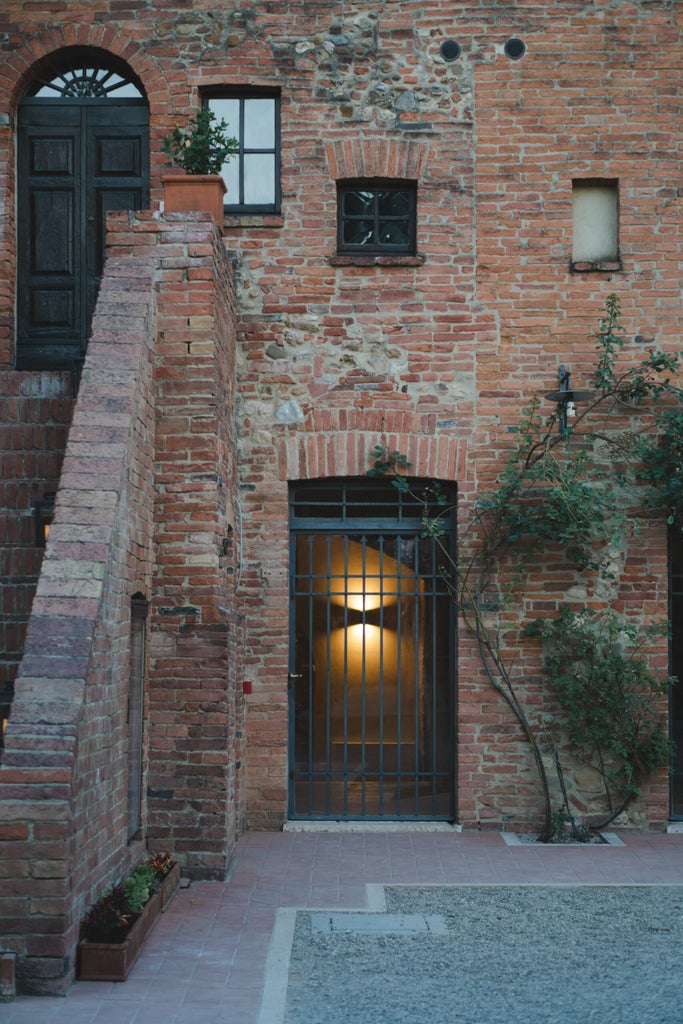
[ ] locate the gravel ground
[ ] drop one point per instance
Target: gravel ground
(510, 955)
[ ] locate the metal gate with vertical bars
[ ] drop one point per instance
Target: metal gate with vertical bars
(372, 679)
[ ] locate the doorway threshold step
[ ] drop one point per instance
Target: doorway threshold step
(370, 826)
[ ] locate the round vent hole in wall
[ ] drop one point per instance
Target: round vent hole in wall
(514, 49)
(450, 50)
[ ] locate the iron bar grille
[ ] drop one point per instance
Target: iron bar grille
(372, 686)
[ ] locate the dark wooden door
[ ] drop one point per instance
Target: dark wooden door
(676, 669)
(76, 161)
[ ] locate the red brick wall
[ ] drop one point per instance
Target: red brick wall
(63, 777)
(195, 794)
(448, 352)
(35, 410)
(436, 353)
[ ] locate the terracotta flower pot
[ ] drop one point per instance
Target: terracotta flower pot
(186, 193)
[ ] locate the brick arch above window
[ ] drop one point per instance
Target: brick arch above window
(376, 158)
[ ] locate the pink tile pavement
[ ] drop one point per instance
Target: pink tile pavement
(205, 961)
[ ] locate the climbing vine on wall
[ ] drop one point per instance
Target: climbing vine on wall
(564, 495)
(597, 669)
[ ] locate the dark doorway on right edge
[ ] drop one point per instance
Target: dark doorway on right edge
(676, 668)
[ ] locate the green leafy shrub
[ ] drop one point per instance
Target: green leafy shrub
(662, 465)
(112, 915)
(595, 666)
(565, 498)
(203, 146)
(138, 887)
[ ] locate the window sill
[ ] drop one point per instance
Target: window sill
(588, 266)
(375, 260)
(252, 220)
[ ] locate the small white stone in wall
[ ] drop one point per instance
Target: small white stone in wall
(290, 412)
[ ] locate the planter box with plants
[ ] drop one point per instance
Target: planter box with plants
(200, 150)
(114, 930)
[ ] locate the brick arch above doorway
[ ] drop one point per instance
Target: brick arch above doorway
(335, 450)
(23, 64)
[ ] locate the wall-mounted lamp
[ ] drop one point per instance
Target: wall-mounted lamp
(43, 510)
(566, 398)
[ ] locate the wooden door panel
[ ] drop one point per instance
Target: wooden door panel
(50, 287)
(52, 308)
(52, 232)
(117, 156)
(51, 156)
(117, 178)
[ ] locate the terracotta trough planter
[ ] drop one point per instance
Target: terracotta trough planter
(200, 193)
(112, 961)
(169, 886)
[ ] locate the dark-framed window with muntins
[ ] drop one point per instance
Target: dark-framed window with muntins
(376, 217)
(252, 176)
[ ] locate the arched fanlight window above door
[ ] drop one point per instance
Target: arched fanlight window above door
(105, 77)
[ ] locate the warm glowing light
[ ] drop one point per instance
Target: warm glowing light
(365, 637)
(358, 576)
(359, 601)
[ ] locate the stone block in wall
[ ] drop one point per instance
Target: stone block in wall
(8, 986)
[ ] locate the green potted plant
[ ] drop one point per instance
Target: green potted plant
(200, 149)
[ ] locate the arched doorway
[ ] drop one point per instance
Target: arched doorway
(83, 150)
